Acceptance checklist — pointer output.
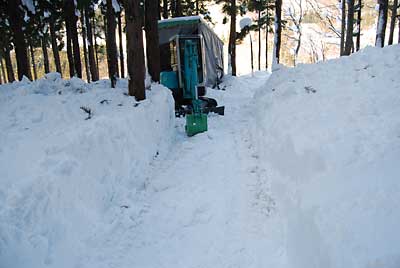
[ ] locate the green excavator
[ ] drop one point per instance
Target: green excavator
(187, 78)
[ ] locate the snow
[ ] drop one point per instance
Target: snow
(77, 11)
(29, 5)
(185, 18)
(300, 172)
(329, 136)
(116, 6)
(203, 204)
(26, 19)
(64, 179)
(245, 22)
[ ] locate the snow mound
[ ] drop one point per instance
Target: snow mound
(329, 134)
(64, 177)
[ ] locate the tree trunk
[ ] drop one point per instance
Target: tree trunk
(172, 7)
(72, 31)
(382, 20)
(197, 7)
(85, 51)
(70, 54)
(16, 22)
(45, 54)
(178, 8)
(266, 38)
(278, 31)
(393, 21)
(9, 66)
(266, 48)
(165, 9)
(92, 62)
(112, 58)
(358, 40)
(232, 37)
(33, 61)
(135, 49)
(343, 27)
(68, 29)
(296, 52)
(349, 32)
(152, 43)
(54, 46)
(2, 77)
(158, 10)
(398, 40)
(251, 54)
(75, 45)
(259, 40)
(96, 46)
(121, 47)
(3, 72)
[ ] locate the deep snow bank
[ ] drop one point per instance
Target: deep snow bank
(329, 135)
(63, 178)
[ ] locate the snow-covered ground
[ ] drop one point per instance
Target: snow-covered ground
(300, 172)
(329, 136)
(203, 204)
(63, 179)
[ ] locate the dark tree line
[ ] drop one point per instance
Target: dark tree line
(26, 29)
(51, 22)
(14, 15)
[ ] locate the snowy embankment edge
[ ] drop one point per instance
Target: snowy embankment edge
(328, 136)
(65, 179)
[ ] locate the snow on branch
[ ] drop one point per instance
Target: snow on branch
(29, 5)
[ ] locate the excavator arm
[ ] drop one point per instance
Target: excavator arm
(196, 122)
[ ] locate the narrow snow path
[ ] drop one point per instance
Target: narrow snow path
(209, 203)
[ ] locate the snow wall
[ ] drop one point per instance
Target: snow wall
(329, 136)
(64, 179)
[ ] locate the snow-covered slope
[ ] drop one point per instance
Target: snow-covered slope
(63, 179)
(329, 136)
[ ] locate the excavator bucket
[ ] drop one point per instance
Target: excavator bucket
(195, 123)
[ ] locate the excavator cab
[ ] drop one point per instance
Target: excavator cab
(176, 79)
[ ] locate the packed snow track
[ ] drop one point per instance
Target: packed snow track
(205, 203)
